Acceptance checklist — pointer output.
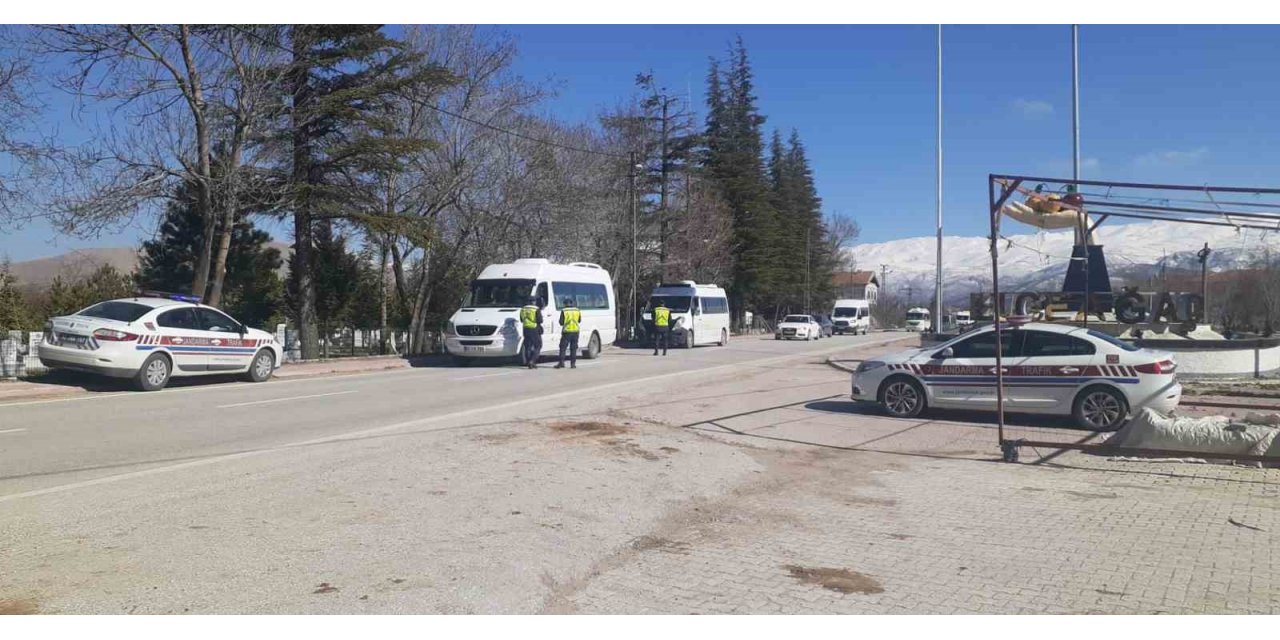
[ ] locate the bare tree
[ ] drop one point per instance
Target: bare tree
(25, 156)
(157, 78)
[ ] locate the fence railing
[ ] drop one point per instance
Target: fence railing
(20, 355)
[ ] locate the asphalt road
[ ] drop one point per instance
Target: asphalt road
(114, 483)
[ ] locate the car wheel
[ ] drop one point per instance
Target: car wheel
(724, 337)
(1100, 409)
(688, 339)
(902, 397)
(155, 373)
(593, 347)
(264, 364)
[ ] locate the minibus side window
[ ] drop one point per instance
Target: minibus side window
(542, 295)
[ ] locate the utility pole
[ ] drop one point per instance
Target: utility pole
(937, 287)
(1203, 255)
(635, 251)
(808, 231)
(884, 277)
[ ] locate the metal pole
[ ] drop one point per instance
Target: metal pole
(937, 288)
(995, 299)
(635, 253)
(1075, 158)
(808, 231)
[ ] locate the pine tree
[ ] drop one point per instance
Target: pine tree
(735, 162)
(15, 313)
(340, 80)
(335, 276)
(252, 287)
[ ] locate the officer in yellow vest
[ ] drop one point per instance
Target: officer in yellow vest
(531, 322)
(570, 319)
(661, 327)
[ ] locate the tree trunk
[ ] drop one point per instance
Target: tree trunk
(204, 162)
(302, 222)
(382, 295)
(421, 298)
(230, 207)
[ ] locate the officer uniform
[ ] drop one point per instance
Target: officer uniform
(661, 328)
(570, 319)
(531, 322)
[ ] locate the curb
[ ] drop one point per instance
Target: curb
(838, 364)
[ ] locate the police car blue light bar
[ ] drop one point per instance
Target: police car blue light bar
(180, 297)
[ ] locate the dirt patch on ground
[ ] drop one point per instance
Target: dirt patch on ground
(495, 438)
(839, 580)
(655, 543)
(19, 607)
(587, 428)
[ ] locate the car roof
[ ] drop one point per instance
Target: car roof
(1050, 327)
(154, 303)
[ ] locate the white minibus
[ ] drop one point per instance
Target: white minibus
(699, 312)
(488, 326)
(851, 316)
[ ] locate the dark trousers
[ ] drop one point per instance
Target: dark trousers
(569, 340)
(532, 345)
(661, 336)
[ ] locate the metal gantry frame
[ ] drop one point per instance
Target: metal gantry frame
(1260, 214)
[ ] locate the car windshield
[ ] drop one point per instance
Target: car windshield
(500, 293)
(846, 312)
(677, 304)
(799, 319)
(917, 315)
(116, 310)
(1105, 337)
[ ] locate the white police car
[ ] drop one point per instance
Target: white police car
(156, 336)
(1048, 369)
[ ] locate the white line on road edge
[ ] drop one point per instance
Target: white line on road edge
(12, 430)
(317, 395)
(573, 393)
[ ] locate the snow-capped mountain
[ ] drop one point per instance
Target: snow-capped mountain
(1038, 261)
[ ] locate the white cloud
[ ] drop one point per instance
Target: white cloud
(1174, 158)
(1032, 108)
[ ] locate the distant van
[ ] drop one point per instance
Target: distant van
(851, 316)
(488, 326)
(699, 312)
(918, 319)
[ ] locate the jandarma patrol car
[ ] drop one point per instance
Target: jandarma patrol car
(1048, 368)
(156, 336)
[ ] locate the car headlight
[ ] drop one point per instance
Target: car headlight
(869, 365)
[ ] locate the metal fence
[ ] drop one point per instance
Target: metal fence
(19, 354)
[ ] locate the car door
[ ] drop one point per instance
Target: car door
(183, 337)
(1050, 368)
(967, 378)
(227, 350)
(698, 320)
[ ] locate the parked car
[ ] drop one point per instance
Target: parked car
(1049, 369)
(154, 337)
(828, 327)
(798, 327)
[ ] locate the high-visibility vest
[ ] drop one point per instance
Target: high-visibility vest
(571, 319)
(661, 316)
(529, 316)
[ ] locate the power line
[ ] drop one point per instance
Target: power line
(516, 133)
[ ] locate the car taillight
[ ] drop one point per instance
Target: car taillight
(111, 335)
(1164, 366)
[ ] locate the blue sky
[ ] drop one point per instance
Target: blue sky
(1167, 104)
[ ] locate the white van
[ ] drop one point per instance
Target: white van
(851, 316)
(699, 312)
(964, 321)
(918, 319)
(488, 325)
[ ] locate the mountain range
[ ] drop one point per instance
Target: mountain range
(1038, 261)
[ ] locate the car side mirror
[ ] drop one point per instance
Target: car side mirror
(944, 354)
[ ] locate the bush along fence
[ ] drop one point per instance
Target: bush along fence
(20, 355)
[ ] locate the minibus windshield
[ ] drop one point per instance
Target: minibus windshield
(677, 304)
(500, 292)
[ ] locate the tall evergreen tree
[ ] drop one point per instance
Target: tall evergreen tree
(735, 161)
(252, 287)
(339, 80)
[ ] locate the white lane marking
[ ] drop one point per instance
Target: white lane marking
(573, 393)
(12, 430)
(487, 375)
(316, 395)
(225, 386)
